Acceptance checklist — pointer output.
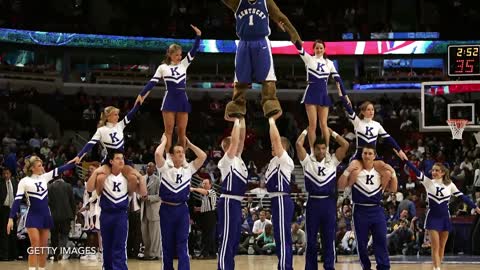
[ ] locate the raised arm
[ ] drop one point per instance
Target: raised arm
(301, 152)
(193, 51)
(231, 4)
(352, 116)
(307, 58)
(280, 18)
(129, 117)
(241, 140)
(275, 136)
(344, 145)
(235, 135)
(159, 159)
(201, 155)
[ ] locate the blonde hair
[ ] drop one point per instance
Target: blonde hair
(446, 177)
(29, 162)
(171, 49)
(105, 114)
(363, 108)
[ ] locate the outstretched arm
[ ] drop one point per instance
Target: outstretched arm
(201, 155)
(187, 60)
(344, 145)
(90, 144)
(382, 133)
(464, 198)
(48, 176)
(301, 152)
(282, 20)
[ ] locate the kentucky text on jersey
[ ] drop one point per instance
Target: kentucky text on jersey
(175, 183)
(253, 11)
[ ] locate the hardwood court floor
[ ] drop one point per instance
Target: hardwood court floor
(260, 263)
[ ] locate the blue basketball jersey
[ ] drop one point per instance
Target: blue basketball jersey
(234, 176)
(175, 183)
(115, 194)
(320, 178)
(252, 20)
(367, 189)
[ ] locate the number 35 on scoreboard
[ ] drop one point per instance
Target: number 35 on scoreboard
(464, 60)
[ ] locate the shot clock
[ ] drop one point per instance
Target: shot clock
(464, 60)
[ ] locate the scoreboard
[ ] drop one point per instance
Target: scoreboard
(464, 60)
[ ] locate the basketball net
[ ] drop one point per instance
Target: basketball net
(457, 126)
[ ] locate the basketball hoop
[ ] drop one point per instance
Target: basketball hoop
(457, 126)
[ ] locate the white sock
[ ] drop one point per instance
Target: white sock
(33, 268)
(41, 268)
(311, 151)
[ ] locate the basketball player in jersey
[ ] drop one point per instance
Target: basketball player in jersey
(174, 193)
(439, 188)
(39, 219)
(320, 182)
(253, 60)
(277, 181)
(368, 214)
(234, 175)
(175, 105)
(114, 217)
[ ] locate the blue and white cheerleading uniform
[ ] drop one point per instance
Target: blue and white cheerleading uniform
(174, 214)
(369, 217)
(367, 131)
(114, 222)
(175, 78)
(320, 183)
(438, 194)
(278, 176)
(234, 175)
(111, 136)
(319, 70)
(34, 188)
(253, 59)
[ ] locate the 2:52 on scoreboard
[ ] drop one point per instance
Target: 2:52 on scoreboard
(464, 60)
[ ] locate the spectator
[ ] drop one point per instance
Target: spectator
(400, 241)
(8, 190)
(348, 245)
(265, 243)
(259, 225)
(298, 239)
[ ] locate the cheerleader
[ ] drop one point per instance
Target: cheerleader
(316, 100)
(367, 131)
(439, 188)
(110, 134)
(39, 219)
(175, 104)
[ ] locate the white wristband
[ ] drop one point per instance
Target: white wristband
(271, 121)
(334, 134)
(236, 123)
(304, 132)
(346, 173)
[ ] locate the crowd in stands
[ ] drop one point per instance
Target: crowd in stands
(404, 211)
(311, 17)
